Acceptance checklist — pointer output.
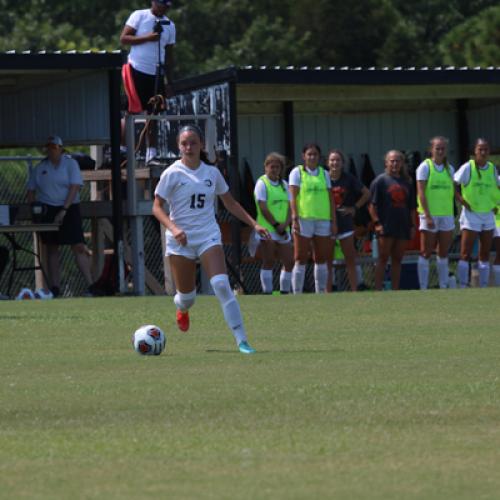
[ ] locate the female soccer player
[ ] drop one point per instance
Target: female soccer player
(313, 218)
(349, 195)
(272, 199)
(478, 181)
(436, 194)
(190, 187)
(392, 210)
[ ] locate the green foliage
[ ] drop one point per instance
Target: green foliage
(367, 396)
(215, 33)
(475, 42)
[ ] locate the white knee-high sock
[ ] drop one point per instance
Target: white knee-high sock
(285, 281)
(443, 271)
(496, 270)
(184, 301)
(320, 276)
(423, 272)
(484, 273)
(463, 273)
(266, 280)
(230, 306)
(298, 276)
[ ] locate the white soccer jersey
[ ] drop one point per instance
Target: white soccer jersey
(191, 196)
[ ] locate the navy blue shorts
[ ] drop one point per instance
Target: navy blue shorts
(71, 231)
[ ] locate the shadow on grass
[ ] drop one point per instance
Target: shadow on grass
(280, 351)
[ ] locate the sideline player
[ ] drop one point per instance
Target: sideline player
(435, 196)
(190, 187)
(272, 199)
(478, 181)
(313, 218)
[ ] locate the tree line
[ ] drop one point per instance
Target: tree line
(217, 33)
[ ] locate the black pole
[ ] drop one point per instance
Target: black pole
(463, 131)
(234, 175)
(289, 130)
(116, 188)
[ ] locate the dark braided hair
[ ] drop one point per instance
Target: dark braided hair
(197, 130)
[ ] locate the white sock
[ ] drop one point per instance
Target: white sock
(443, 271)
(463, 273)
(359, 274)
(184, 301)
(320, 276)
(496, 271)
(230, 306)
(266, 280)
(285, 281)
(484, 273)
(298, 276)
(423, 272)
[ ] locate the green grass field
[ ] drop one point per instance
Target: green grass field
(377, 396)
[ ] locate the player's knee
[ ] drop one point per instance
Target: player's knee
(184, 301)
(222, 288)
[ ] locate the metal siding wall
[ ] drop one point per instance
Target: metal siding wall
(258, 135)
(485, 122)
(77, 109)
(374, 133)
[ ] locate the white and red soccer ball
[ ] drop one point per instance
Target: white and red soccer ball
(149, 340)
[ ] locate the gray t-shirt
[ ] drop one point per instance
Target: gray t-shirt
(51, 183)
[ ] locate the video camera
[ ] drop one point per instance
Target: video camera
(159, 23)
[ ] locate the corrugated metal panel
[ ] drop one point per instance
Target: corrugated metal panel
(485, 122)
(76, 108)
(375, 133)
(258, 136)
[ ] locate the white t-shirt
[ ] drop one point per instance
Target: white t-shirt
(191, 198)
(294, 178)
(462, 176)
(51, 183)
(422, 172)
(144, 57)
(260, 190)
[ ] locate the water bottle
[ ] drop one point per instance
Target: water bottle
(375, 247)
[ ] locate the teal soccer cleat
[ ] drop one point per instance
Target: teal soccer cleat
(245, 348)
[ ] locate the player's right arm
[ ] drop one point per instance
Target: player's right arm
(129, 37)
(163, 218)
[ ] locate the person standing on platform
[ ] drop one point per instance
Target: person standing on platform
(392, 210)
(313, 218)
(149, 71)
(272, 200)
(55, 182)
(436, 195)
(477, 189)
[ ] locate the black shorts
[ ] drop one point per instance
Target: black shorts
(344, 223)
(145, 86)
(397, 232)
(70, 233)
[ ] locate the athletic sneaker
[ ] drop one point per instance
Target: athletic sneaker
(245, 348)
(182, 320)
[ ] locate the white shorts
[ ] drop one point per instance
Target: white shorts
(342, 236)
(313, 227)
(441, 223)
(477, 222)
(193, 251)
(278, 238)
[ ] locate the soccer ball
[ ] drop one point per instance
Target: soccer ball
(149, 340)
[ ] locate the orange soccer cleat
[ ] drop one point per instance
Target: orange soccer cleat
(182, 320)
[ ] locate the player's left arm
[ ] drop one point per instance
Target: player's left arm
(240, 213)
